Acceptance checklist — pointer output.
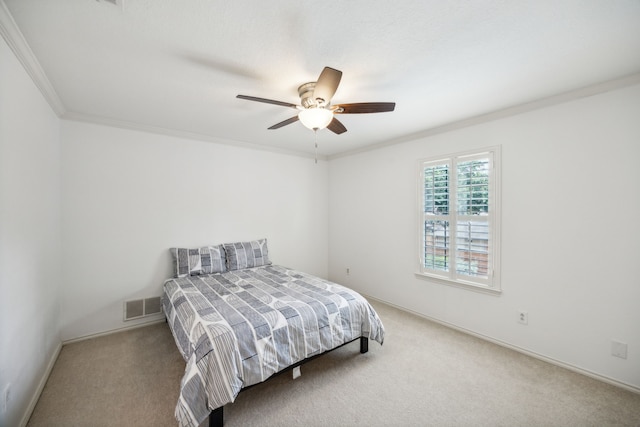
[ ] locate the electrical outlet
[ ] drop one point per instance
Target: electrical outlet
(618, 349)
(523, 317)
(348, 271)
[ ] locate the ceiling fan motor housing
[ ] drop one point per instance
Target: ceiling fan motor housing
(306, 95)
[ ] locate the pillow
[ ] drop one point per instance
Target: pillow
(192, 262)
(246, 254)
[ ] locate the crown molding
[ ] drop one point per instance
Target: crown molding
(122, 124)
(17, 43)
(572, 95)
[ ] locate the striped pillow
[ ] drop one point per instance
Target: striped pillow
(246, 254)
(193, 262)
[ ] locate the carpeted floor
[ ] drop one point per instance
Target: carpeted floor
(424, 375)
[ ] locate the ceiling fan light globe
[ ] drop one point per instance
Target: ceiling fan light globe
(315, 118)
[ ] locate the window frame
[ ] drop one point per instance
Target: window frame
(490, 284)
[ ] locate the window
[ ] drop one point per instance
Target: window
(459, 219)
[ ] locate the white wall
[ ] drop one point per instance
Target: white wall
(30, 236)
(129, 196)
(118, 199)
(570, 230)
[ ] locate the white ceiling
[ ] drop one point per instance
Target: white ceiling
(176, 66)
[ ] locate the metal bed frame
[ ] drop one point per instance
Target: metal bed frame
(216, 417)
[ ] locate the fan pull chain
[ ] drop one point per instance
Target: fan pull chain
(315, 132)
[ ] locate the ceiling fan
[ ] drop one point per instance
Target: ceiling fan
(316, 111)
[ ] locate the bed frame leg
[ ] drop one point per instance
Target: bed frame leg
(364, 344)
(216, 417)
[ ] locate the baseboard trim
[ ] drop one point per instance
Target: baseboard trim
(114, 331)
(41, 384)
(522, 350)
(54, 357)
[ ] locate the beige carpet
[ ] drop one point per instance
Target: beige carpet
(424, 375)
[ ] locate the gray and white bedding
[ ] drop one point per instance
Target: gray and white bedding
(237, 328)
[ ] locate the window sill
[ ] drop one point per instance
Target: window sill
(462, 285)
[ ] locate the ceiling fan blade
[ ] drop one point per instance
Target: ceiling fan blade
(267, 101)
(336, 126)
(365, 107)
(285, 122)
(327, 84)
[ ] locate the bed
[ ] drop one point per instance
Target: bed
(237, 320)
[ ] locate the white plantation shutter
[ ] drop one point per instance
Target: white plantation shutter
(459, 210)
(436, 216)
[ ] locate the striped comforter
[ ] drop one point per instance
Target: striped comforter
(238, 328)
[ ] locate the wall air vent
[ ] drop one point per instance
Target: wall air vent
(136, 309)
